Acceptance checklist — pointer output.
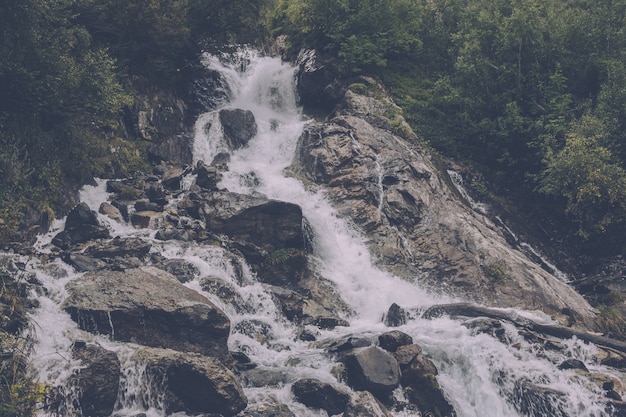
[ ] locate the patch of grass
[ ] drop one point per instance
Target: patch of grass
(496, 272)
(282, 256)
(611, 321)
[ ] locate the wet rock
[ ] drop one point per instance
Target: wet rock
(318, 85)
(146, 219)
(172, 176)
(537, 401)
(147, 205)
(391, 341)
(263, 377)
(225, 291)
(208, 176)
(572, 364)
(488, 326)
(148, 306)
(176, 149)
(611, 357)
(416, 223)
(329, 323)
(396, 316)
(97, 380)
(120, 247)
(372, 369)
(183, 270)
(83, 263)
(321, 395)
(111, 212)
(81, 226)
(364, 404)
(419, 378)
(255, 329)
(269, 408)
(344, 344)
(192, 383)
(239, 127)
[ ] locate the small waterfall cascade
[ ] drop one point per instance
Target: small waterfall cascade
(479, 374)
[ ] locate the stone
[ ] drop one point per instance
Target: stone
(318, 85)
(81, 226)
(148, 306)
(111, 212)
(364, 404)
(192, 383)
(572, 364)
(416, 223)
(396, 316)
(321, 395)
(147, 205)
(120, 247)
(391, 341)
(177, 149)
(372, 369)
(239, 127)
(267, 224)
(83, 263)
(146, 219)
(208, 176)
(269, 408)
(183, 270)
(97, 380)
(537, 401)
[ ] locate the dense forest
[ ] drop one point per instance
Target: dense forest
(530, 93)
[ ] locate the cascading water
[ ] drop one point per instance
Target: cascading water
(480, 375)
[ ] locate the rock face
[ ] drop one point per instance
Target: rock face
(81, 226)
(372, 369)
(148, 306)
(192, 383)
(417, 226)
(97, 380)
(239, 127)
(317, 394)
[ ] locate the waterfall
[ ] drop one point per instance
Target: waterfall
(479, 374)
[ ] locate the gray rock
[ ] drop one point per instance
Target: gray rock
(396, 316)
(192, 383)
(321, 395)
(120, 247)
(415, 221)
(364, 404)
(97, 380)
(111, 212)
(208, 176)
(148, 306)
(372, 369)
(81, 226)
(269, 408)
(391, 341)
(239, 127)
(183, 270)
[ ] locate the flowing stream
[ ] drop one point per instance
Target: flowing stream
(479, 375)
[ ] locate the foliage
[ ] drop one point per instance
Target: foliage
(281, 256)
(589, 177)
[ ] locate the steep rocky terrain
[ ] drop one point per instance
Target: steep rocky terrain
(137, 303)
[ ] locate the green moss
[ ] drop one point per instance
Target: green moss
(496, 272)
(282, 256)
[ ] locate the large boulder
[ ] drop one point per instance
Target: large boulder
(81, 226)
(419, 379)
(364, 404)
(191, 383)
(151, 307)
(239, 127)
(318, 84)
(97, 380)
(416, 221)
(372, 369)
(269, 224)
(321, 395)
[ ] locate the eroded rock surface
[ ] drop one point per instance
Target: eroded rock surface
(151, 307)
(416, 224)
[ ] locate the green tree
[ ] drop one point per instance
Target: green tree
(590, 179)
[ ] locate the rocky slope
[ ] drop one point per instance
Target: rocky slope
(417, 226)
